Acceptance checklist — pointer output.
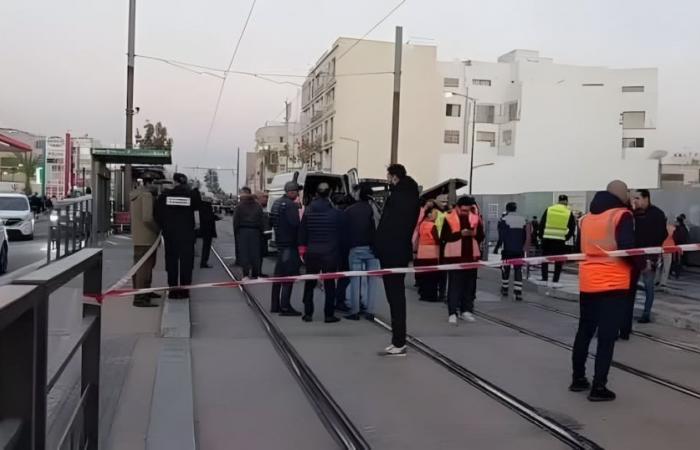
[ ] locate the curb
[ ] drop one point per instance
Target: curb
(175, 319)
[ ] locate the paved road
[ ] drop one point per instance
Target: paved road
(23, 253)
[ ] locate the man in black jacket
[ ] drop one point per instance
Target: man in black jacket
(319, 248)
(248, 226)
(649, 231)
(207, 230)
(393, 247)
(285, 221)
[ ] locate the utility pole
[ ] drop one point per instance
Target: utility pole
(287, 111)
(129, 141)
(238, 169)
(398, 49)
(471, 157)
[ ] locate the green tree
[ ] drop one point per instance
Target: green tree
(27, 164)
(211, 181)
(155, 137)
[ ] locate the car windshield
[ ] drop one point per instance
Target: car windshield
(14, 204)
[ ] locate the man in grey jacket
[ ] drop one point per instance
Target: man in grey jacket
(144, 232)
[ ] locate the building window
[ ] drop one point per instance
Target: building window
(281, 139)
(512, 111)
(485, 113)
(330, 132)
(486, 136)
(672, 177)
(451, 136)
(632, 142)
(592, 85)
(453, 110)
(451, 82)
(632, 88)
(507, 137)
(477, 82)
(633, 119)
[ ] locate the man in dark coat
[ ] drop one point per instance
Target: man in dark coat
(319, 248)
(393, 246)
(207, 230)
(248, 227)
(285, 220)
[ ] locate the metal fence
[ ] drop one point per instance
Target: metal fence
(70, 229)
(28, 373)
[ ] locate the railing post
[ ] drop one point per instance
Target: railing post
(67, 238)
(90, 376)
(49, 246)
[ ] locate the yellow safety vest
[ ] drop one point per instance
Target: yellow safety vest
(557, 225)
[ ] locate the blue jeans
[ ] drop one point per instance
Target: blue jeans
(648, 278)
(362, 258)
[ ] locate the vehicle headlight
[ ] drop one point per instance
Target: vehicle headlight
(53, 217)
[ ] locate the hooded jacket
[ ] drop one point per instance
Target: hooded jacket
(624, 233)
(392, 240)
(144, 229)
(248, 214)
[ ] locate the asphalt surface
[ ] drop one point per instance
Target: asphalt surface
(22, 253)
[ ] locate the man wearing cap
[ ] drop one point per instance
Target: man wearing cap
(319, 248)
(285, 221)
(175, 213)
(144, 232)
(556, 227)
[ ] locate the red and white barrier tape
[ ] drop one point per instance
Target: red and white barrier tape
(115, 290)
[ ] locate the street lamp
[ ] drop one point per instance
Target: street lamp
(357, 150)
(466, 125)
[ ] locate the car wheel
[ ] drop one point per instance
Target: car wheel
(3, 259)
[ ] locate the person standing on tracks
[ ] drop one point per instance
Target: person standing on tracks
(285, 221)
(393, 246)
(514, 235)
(248, 227)
(175, 213)
(463, 232)
(604, 285)
(144, 232)
(556, 228)
(428, 254)
(319, 249)
(207, 230)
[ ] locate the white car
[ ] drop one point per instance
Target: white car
(17, 216)
(4, 248)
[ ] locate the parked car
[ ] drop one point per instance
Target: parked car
(17, 216)
(4, 249)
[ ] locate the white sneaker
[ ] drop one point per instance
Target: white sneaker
(393, 351)
(556, 285)
(467, 316)
(452, 320)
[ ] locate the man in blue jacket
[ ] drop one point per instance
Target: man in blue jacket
(513, 233)
(285, 221)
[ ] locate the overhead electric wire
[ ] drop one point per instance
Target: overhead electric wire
(223, 81)
(393, 10)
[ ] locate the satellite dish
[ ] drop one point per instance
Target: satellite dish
(658, 154)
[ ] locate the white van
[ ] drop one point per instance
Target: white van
(17, 216)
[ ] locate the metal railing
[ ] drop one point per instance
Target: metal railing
(70, 227)
(28, 374)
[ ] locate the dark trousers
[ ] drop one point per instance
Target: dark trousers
(601, 312)
(320, 264)
(143, 277)
(287, 265)
(341, 296)
(461, 290)
(442, 285)
(517, 280)
(206, 250)
(179, 259)
(552, 247)
(428, 285)
(628, 312)
(249, 257)
(396, 296)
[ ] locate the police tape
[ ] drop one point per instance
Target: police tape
(117, 291)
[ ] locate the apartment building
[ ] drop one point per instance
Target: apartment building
(681, 169)
(537, 126)
(346, 110)
(276, 152)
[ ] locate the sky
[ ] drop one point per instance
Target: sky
(63, 64)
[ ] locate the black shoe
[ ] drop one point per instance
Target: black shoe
(274, 310)
(518, 298)
(174, 294)
(289, 312)
(342, 308)
(504, 292)
(644, 319)
(369, 317)
(353, 317)
(153, 295)
(579, 385)
(331, 319)
(601, 394)
(307, 318)
(144, 303)
(624, 337)
(205, 266)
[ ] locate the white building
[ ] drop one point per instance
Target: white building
(276, 152)
(347, 108)
(540, 126)
(681, 169)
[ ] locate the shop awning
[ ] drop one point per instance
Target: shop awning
(13, 145)
(132, 156)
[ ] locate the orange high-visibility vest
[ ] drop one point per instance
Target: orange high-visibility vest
(428, 246)
(454, 249)
(599, 273)
(669, 239)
